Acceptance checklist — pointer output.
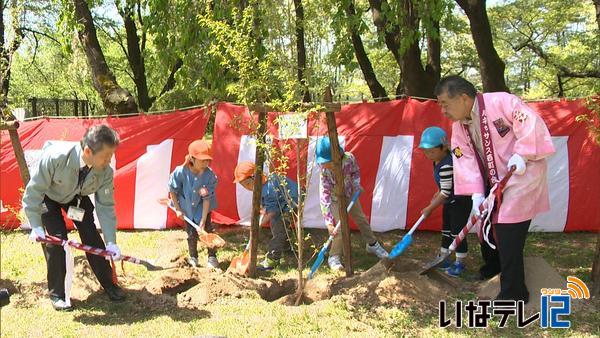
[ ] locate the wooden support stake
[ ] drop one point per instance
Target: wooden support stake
(9, 125)
(596, 270)
(300, 226)
(12, 126)
(336, 157)
(257, 190)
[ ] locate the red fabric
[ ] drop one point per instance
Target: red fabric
(135, 133)
(363, 125)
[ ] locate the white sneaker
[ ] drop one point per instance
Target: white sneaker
(335, 263)
(60, 305)
(377, 250)
(212, 263)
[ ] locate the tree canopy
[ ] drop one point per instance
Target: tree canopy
(165, 54)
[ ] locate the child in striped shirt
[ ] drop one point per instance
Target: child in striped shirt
(457, 209)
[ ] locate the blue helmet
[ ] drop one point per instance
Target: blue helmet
(433, 137)
(324, 150)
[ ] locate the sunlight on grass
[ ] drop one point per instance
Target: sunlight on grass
(23, 264)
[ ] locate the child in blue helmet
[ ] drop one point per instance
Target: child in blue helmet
(330, 207)
(457, 209)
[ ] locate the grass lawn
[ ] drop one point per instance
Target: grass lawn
(30, 313)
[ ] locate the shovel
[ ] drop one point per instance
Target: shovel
(99, 252)
(211, 240)
(484, 209)
(240, 264)
(323, 252)
(401, 246)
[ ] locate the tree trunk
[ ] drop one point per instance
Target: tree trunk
(301, 49)
(415, 80)
(434, 51)
(170, 84)
(561, 90)
(4, 61)
(114, 98)
(596, 269)
(135, 56)
(491, 66)
(377, 90)
(6, 53)
(597, 5)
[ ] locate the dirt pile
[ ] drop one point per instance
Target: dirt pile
(399, 286)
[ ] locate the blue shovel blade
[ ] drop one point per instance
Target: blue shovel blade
(401, 246)
(318, 262)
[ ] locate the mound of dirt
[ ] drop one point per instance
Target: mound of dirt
(199, 287)
(538, 274)
(400, 286)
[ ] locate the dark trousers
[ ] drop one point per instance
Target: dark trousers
(507, 259)
(192, 238)
(455, 217)
(55, 225)
(279, 230)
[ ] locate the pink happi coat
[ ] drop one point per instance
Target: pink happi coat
(515, 129)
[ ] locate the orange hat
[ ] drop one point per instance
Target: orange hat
(200, 150)
(243, 171)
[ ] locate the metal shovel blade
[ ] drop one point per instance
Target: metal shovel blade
(434, 263)
(212, 240)
(151, 267)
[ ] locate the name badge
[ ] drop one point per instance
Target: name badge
(75, 213)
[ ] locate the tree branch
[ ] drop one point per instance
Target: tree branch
(170, 84)
(141, 20)
(563, 70)
(35, 32)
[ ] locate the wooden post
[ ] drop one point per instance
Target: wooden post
(257, 190)
(57, 107)
(75, 108)
(596, 270)
(300, 226)
(12, 126)
(336, 157)
(34, 107)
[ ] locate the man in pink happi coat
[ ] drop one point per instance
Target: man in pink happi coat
(491, 133)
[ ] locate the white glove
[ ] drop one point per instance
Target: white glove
(477, 200)
(37, 232)
(519, 162)
(114, 250)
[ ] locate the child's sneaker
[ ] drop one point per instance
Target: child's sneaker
(268, 264)
(212, 262)
(335, 263)
(443, 266)
(193, 262)
(456, 269)
(377, 250)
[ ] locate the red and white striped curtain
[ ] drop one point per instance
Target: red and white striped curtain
(396, 176)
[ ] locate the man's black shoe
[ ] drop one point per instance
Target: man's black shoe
(115, 294)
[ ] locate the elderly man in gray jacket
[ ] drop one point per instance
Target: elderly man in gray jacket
(64, 177)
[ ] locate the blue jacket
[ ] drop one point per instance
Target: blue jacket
(186, 185)
(274, 196)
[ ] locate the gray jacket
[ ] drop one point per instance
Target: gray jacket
(56, 176)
